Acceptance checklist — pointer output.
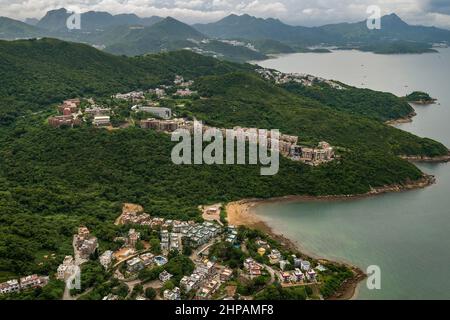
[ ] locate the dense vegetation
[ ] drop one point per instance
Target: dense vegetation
(356, 101)
(419, 97)
(53, 180)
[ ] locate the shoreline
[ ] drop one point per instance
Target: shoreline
(241, 213)
(406, 119)
(439, 159)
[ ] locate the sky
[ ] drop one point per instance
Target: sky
(295, 12)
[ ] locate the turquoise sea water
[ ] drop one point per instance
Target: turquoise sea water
(406, 234)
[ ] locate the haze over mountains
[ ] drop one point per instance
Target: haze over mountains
(252, 38)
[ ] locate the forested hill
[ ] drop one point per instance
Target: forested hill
(36, 73)
(53, 180)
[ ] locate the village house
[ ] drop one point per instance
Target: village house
(147, 258)
(88, 247)
(298, 275)
(274, 256)
(133, 237)
(66, 269)
(9, 286)
(185, 92)
(207, 290)
(32, 281)
(305, 265)
(135, 265)
(311, 275)
(191, 282)
(173, 294)
(160, 93)
(165, 276)
(71, 105)
(253, 268)
(161, 125)
(134, 96)
(226, 274)
(65, 120)
(97, 111)
(207, 268)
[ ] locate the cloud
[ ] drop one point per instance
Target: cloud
(297, 12)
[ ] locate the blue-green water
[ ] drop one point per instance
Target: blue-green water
(406, 234)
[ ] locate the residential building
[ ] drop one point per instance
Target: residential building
(173, 294)
(106, 258)
(163, 113)
(32, 281)
(305, 265)
(135, 265)
(147, 258)
(311, 275)
(133, 237)
(88, 247)
(9, 286)
(66, 269)
(165, 276)
(226, 274)
(97, 111)
(102, 121)
(274, 256)
(65, 120)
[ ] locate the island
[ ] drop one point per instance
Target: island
(418, 97)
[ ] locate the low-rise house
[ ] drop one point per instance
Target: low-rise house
(311, 275)
(133, 237)
(97, 111)
(32, 281)
(305, 265)
(298, 275)
(147, 258)
(192, 282)
(88, 247)
(66, 269)
(173, 294)
(66, 120)
(165, 276)
(207, 268)
(102, 121)
(226, 274)
(207, 290)
(135, 265)
(274, 256)
(9, 286)
(285, 277)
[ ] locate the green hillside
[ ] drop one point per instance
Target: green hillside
(53, 180)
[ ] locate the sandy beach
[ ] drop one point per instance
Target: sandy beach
(242, 213)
